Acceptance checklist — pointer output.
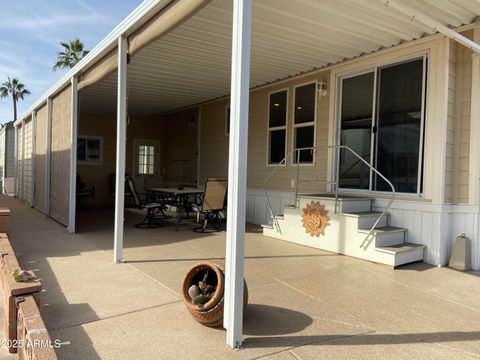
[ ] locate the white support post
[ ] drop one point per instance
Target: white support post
(22, 177)
(48, 157)
(32, 158)
(15, 144)
(237, 172)
(121, 144)
(73, 158)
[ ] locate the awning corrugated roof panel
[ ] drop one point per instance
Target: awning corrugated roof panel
(192, 63)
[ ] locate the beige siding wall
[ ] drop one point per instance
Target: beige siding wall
(459, 116)
(450, 138)
(104, 125)
(99, 176)
(181, 146)
(214, 142)
(440, 183)
(40, 157)
(60, 157)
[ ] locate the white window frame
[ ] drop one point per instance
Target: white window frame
(91, 137)
(296, 126)
(374, 68)
(283, 127)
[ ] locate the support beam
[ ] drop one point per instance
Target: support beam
(73, 157)
(436, 25)
(48, 157)
(121, 144)
(237, 172)
(32, 158)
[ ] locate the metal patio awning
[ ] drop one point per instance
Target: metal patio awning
(191, 64)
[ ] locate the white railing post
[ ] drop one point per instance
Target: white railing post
(237, 172)
(73, 157)
(121, 144)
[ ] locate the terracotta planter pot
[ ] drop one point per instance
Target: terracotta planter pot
(210, 313)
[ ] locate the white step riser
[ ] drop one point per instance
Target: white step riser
(273, 232)
(354, 206)
(366, 222)
(389, 239)
(343, 235)
(409, 256)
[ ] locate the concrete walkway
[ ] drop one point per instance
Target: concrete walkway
(304, 303)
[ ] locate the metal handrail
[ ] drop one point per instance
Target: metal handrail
(283, 162)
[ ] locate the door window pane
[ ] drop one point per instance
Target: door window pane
(146, 160)
(356, 130)
(399, 125)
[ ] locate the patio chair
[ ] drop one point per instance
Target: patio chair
(152, 209)
(212, 206)
(83, 190)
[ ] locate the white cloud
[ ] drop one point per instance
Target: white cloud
(39, 23)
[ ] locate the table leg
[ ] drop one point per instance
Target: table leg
(180, 209)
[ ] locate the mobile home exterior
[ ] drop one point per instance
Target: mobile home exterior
(7, 157)
(397, 91)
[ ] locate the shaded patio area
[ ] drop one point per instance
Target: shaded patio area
(304, 303)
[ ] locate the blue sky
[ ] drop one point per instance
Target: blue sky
(32, 29)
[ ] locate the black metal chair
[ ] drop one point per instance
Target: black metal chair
(153, 209)
(213, 206)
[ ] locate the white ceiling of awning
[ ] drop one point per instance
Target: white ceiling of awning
(192, 64)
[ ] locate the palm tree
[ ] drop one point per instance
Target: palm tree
(13, 87)
(72, 53)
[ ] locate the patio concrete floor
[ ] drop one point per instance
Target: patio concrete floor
(304, 303)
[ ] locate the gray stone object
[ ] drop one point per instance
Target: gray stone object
(461, 254)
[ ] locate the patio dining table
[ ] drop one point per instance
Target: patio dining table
(179, 197)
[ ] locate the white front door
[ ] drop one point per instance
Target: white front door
(146, 163)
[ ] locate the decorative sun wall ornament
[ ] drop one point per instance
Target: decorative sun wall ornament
(315, 218)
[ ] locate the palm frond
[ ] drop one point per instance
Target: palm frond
(73, 52)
